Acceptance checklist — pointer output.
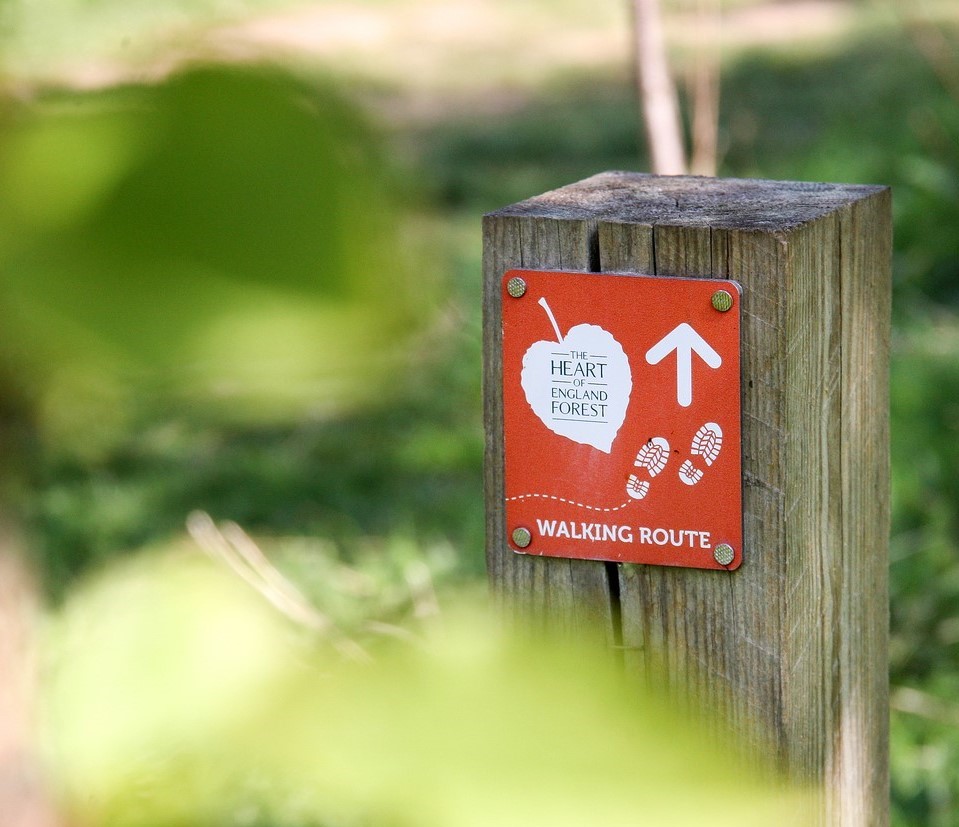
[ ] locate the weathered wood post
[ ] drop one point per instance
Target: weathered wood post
(785, 637)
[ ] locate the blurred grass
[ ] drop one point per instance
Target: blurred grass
(404, 473)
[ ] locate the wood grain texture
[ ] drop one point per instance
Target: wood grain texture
(791, 649)
(866, 253)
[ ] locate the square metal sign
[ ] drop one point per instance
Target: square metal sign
(621, 416)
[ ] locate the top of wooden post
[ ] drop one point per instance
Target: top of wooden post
(722, 203)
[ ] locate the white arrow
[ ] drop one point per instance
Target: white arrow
(684, 340)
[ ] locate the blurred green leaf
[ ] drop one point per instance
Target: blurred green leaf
(227, 235)
(173, 697)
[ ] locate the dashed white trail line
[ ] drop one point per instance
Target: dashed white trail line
(568, 502)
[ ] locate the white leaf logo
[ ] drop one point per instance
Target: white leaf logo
(579, 385)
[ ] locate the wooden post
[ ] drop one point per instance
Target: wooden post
(791, 648)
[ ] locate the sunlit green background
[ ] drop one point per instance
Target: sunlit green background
(239, 275)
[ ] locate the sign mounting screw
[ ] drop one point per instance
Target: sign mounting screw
(516, 287)
(522, 537)
(722, 300)
(724, 554)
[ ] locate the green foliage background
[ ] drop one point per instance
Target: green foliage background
(246, 291)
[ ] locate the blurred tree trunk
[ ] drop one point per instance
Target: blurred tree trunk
(705, 89)
(657, 92)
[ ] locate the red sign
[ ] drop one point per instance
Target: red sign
(621, 399)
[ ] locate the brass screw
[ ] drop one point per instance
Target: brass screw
(516, 287)
(522, 537)
(722, 300)
(724, 554)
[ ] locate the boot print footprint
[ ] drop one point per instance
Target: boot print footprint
(707, 443)
(653, 456)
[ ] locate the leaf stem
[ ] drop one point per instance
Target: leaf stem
(552, 318)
